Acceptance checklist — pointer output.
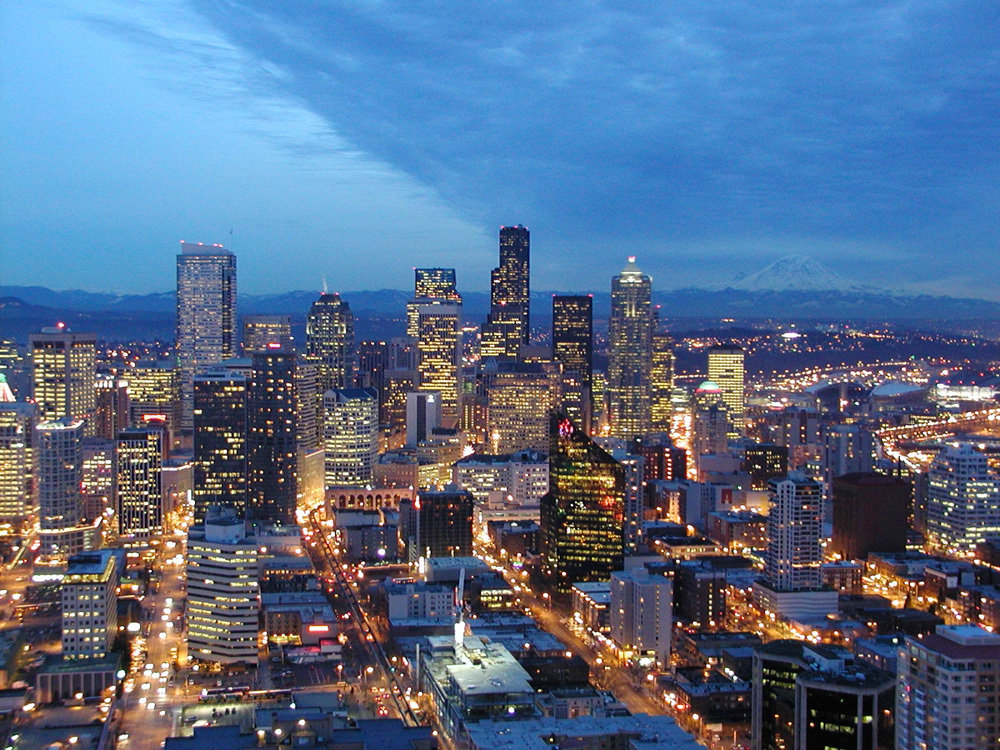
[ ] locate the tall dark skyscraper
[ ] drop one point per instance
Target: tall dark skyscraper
(583, 513)
(140, 486)
(439, 523)
(330, 342)
(272, 450)
(630, 352)
(509, 323)
(206, 314)
(573, 334)
(220, 442)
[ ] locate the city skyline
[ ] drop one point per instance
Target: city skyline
(703, 143)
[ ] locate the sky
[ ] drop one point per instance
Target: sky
(348, 142)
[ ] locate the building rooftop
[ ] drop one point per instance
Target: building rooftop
(646, 732)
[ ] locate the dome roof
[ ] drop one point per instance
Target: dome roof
(708, 386)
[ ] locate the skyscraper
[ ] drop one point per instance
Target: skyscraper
(272, 443)
(140, 487)
(18, 487)
(582, 515)
(350, 436)
(89, 600)
(223, 591)
(60, 471)
(948, 690)
(206, 314)
(438, 346)
(330, 342)
(963, 500)
(508, 325)
(725, 367)
(111, 407)
(869, 514)
(154, 396)
(573, 334)
(220, 442)
(792, 584)
(519, 399)
(261, 330)
(63, 368)
(428, 284)
(661, 382)
(439, 524)
(630, 355)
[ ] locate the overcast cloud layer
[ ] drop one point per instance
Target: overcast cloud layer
(336, 137)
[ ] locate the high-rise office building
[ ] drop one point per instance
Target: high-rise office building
(223, 590)
(18, 467)
(963, 500)
(817, 696)
(763, 462)
(154, 396)
(89, 601)
(330, 342)
(111, 407)
(272, 442)
(350, 436)
(438, 346)
(428, 284)
(63, 369)
(99, 482)
(847, 449)
(261, 330)
(60, 505)
(582, 515)
(520, 397)
(439, 524)
(373, 361)
(725, 367)
(423, 416)
(220, 442)
(206, 314)
(140, 487)
(948, 690)
(661, 382)
(508, 326)
(869, 514)
(573, 346)
(630, 355)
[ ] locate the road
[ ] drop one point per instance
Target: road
(154, 694)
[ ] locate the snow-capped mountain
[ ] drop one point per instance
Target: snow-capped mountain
(797, 273)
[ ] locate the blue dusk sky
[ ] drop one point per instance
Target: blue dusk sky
(355, 140)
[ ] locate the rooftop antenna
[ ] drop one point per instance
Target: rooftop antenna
(324, 285)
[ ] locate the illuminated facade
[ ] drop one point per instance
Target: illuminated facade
(428, 284)
(60, 474)
(582, 515)
(630, 355)
(519, 399)
(206, 315)
(438, 326)
(272, 442)
(573, 346)
(111, 407)
(18, 469)
(89, 601)
(794, 530)
(661, 382)
(140, 486)
(508, 325)
(154, 395)
(63, 369)
(220, 442)
(641, 614)
(350, 436)
(963, 500)
(726, 368)
(261, 330)
(330, 342)
(223, 591)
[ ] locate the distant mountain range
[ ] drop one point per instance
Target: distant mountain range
(794, 287)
